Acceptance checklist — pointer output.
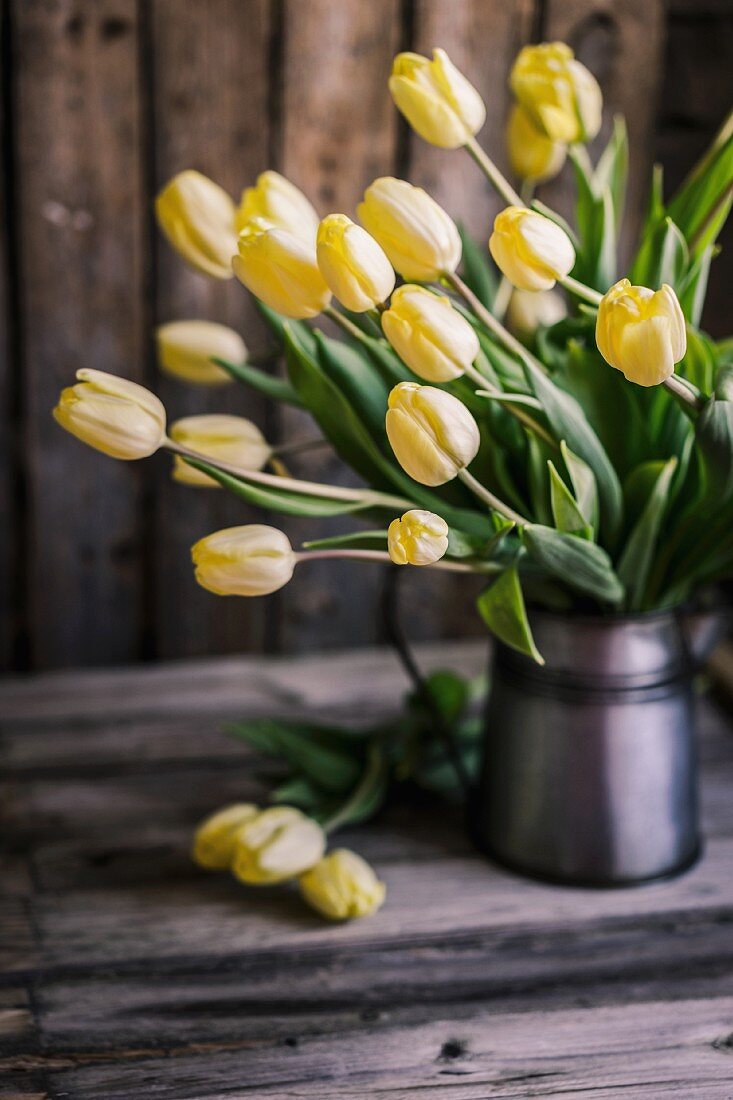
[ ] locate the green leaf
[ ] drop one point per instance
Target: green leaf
(478, 272)
(329, 768)
(596, 219)
(268, 384)
(698, 365)
(664, 259)
(565, 509)
(450, 694)
(568, 422)
(579, 564)
(357, 380)
(278, 324)
(613, 168)
(636, 560)
(368, 794)
(281, 500)
(584, 484)
(501, 606)
(714, 434)
(693, 287)
(701, 205)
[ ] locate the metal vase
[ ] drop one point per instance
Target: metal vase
(589, 773)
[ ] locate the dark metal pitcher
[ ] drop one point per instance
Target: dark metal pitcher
(589, 773)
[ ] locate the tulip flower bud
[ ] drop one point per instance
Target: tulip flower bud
(532, 251)
(213, 841)
(198, 218)
(113, 415)
(428, 334)
(342, 886)
(436, 99)
(280, 269)
(275, 845)
(244, 561)
(230, 439)
(532, 155)
(432, 434)
(562, 97)
(279, 202)
(186, 350)
(353, 264)
(531, 309)
(419, 538)
(420, 240)
(641, 332)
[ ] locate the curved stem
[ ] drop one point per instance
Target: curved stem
(492, 173)
(371, 773)
(581, 290)
(491, 322)
(488, 497)
(395, 635)
(682, 391)
(346, 324)
(383, 558)
(517, 412)
(308, 488)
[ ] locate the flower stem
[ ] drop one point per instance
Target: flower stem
(517, 412)
(307, 488)
(383, 558)
(346, 324)
(581, 290)
(488, 497)
(682, 391)
(374, 766)
(494, 326)
(492, 173)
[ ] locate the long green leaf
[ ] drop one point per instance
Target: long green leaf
(477, 270)
(636, 559)
(268, 384)
(581, 565)
(584, 484)
(566, 511)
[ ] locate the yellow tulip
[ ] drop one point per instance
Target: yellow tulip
(420, 240)
(428, 334)
(532, 309)
(275, 845)
(641, 332)
(532, 251)
(231, 439)
(253, 560)
(198, 218)
(279, 202)
(213, 841)
(432, 434)
(562, 97)
(113, 415)
(186, 350)
(342, 886)
(436, 99)
(418, 538)
(280, 269)
(532, 155)
(353, 264)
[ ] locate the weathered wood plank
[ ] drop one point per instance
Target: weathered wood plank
(210, 90)
(622, 43)
(222, 687)
(9, 516)
(81, 278)
(646, 1048)
(338, 133)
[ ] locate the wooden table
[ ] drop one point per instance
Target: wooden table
(127, 972)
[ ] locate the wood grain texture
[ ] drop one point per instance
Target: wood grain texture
(80, 255)
(211, 90)
(338, 133)
(622, 43)
(9, 534)
(127, 972)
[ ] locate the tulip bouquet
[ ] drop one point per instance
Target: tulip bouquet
(531, 414)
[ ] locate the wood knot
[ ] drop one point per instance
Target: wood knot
(452, 1049)
(724, 1043)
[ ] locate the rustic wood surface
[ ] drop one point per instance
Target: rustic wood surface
(128, 973)
(99, 104)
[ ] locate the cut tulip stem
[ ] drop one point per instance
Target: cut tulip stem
(494, 326)
(681, 390)
(488, 497)
(383, 558)
(347, 325)
(516, 411)
(581, 290)
(492, 173)
(291, 484)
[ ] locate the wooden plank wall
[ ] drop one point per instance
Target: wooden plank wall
(100, 103)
